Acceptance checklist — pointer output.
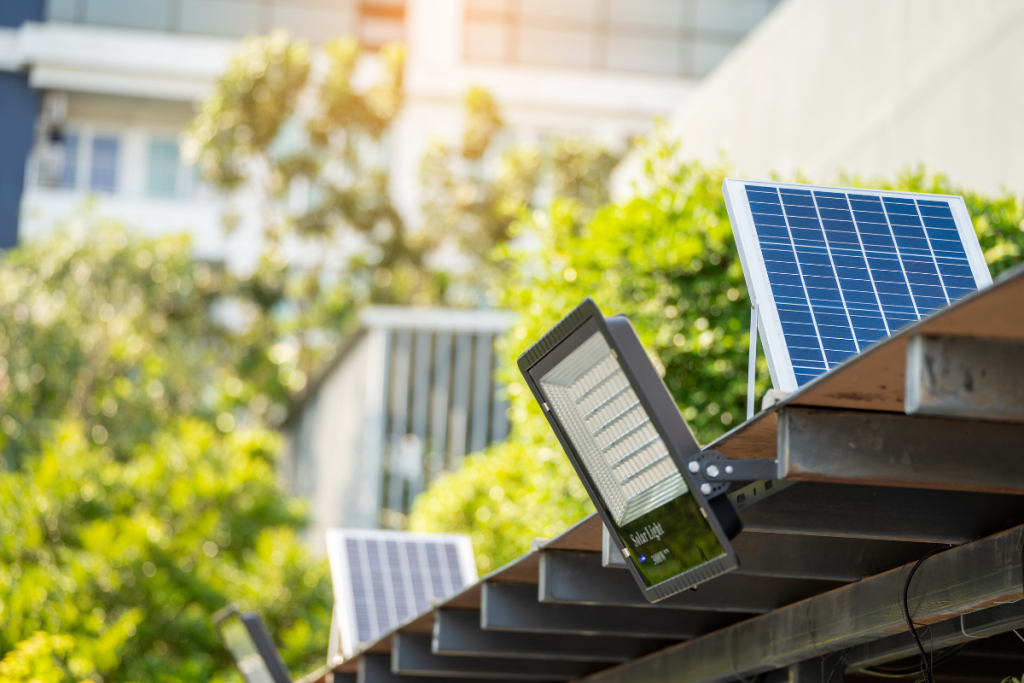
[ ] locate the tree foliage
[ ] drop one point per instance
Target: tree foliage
(136, 382)
(667, 259)
(135, 501)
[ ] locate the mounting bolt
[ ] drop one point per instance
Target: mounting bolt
(729, 469)
(713, 471)
(694, 466)
(705, 489)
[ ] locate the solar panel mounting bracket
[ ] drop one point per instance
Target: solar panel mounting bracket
(715, 470)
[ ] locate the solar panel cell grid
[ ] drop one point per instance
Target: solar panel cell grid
(847, 269)
(392, 581)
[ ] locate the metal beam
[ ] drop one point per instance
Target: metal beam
(458, 633)
(965, 377)
(827, 669)
(411, 655)
(377, 669)
(514, 607)
(888, 449)
(958, 581)
(804, 557)
(969, 627)
(881, 512)
(821, 557)
(578, 578)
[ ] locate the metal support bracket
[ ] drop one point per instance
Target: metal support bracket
(714, 468)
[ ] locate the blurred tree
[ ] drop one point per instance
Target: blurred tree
(311, 138)
(135, 501)
(120, 335)
(472, 196)
(139, 494)
(665, 258)
(112, 569)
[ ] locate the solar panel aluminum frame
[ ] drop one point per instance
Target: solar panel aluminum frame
(755, 271)
(565, 337)
(341, 580)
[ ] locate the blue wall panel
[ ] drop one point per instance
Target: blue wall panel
(19, 105)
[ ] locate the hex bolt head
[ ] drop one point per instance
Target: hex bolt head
(713, 471)
(694, 466)
(705, 489)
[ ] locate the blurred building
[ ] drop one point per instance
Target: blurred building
(868, 88)
(405, 399)
(112, 82)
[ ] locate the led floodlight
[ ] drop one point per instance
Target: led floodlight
(247, 640)
(631, 447)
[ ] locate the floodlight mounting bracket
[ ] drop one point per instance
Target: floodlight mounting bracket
(716, 471)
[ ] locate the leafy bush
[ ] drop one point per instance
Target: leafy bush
(667, 259)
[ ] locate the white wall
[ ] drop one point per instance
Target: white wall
(333, 455)
(868, 87)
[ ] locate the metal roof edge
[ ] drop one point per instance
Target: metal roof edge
(447, 319)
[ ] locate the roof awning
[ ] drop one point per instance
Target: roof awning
(864, 491)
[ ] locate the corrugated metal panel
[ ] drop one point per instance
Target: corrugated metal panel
(398, 408)
(442, 404)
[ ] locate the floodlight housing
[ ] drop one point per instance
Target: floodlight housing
(631, 447)
(248, 641)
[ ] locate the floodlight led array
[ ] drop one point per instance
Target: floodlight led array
(630, 445)
(250, 645)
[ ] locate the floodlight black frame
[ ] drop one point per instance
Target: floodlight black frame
(260, 637)
(564, 338)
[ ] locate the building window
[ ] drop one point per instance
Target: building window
(104, 167)
(163, 169)
(58, 162)
(669, 37)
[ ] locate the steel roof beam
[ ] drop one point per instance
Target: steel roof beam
(959, 581)
(458, 633)
(578, 578)
(514, 607)
(888, 449)
(411, 655)
(377, 669)
(820, 557)
(882, 512)
(965, 377)
(970, 627)
(808, 557)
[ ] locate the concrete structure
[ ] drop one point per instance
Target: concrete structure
(118, 80)
(825, 86)
(406, 398)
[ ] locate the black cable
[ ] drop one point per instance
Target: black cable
(838, 665)
(926, 665)
(940, 658)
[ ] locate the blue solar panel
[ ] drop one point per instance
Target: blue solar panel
(383, 578)
(839, 269)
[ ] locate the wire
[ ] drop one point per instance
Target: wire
(900, 672)
(879, 674)
(926, 665)
(838, 665)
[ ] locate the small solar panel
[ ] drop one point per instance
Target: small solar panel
(833, 270)
(383, 578)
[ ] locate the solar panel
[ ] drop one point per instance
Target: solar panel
(833, 270)
(382, 578)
